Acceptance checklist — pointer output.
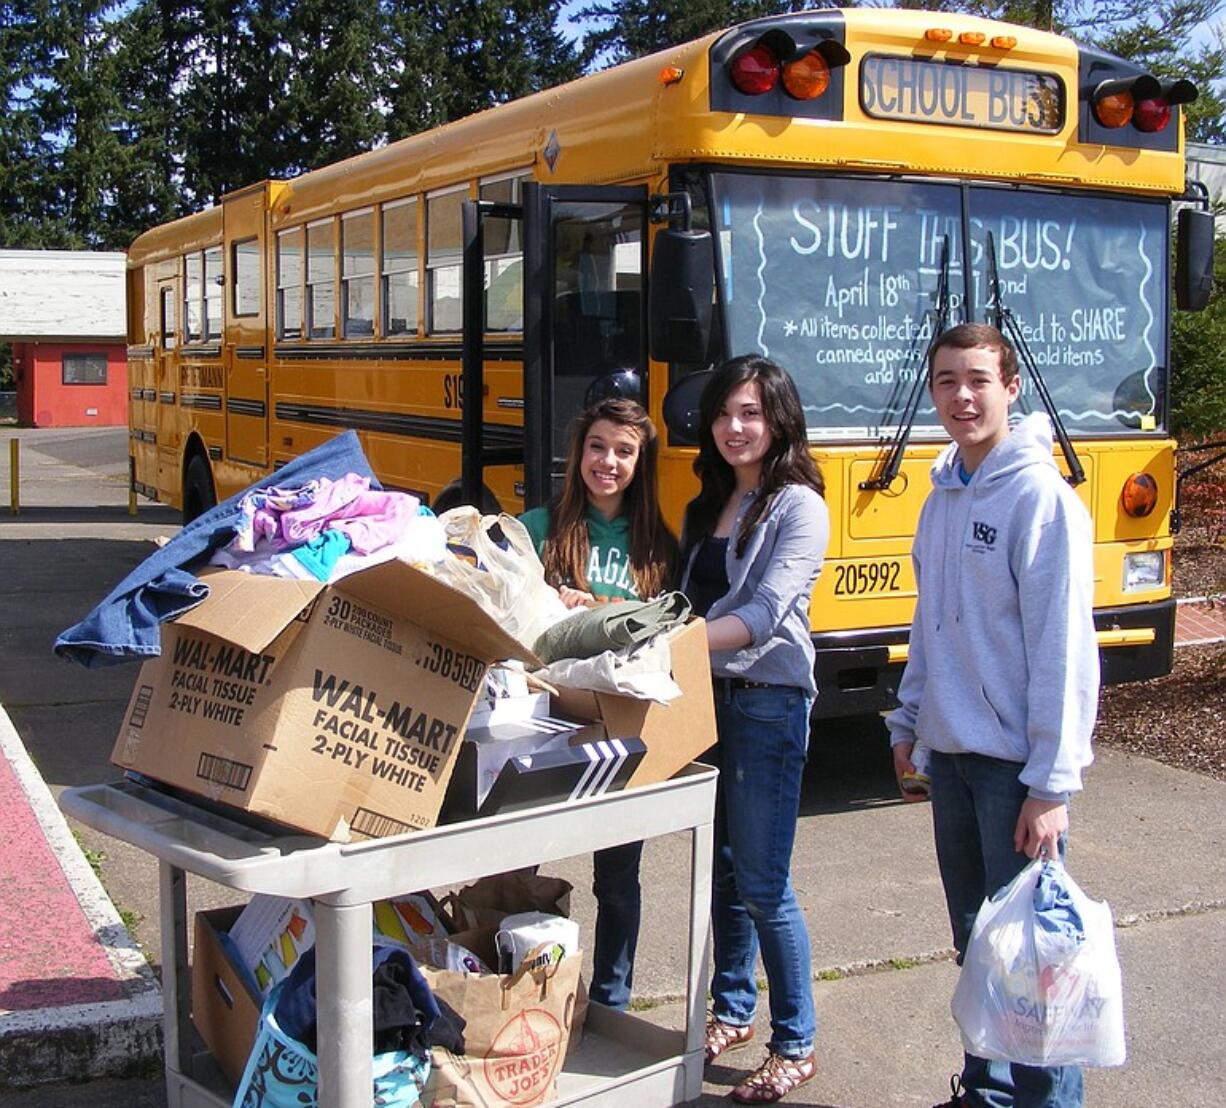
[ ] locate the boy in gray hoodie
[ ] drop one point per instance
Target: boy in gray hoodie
(1001, 684)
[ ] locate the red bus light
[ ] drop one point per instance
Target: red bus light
(1151, 115)
(755, 72)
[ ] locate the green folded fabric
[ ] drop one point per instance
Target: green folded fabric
(592, 631)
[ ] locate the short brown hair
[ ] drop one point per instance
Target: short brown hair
(967, 336)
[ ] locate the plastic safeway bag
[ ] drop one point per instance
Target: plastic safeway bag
(505, 577)
(1040, 983)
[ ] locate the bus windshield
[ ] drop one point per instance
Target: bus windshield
(836, 278)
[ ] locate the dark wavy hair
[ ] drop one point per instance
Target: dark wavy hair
(787, 461)
(653, 548)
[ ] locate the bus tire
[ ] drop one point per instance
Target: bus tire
(450, 498)
(198, 492)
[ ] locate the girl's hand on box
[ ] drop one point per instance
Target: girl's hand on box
(576, 598)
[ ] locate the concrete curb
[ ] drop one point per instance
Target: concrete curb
(79, 1042)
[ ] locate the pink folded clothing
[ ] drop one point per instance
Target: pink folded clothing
(300, 525)
(375, 519)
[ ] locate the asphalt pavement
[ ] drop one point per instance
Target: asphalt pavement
(1146, 837)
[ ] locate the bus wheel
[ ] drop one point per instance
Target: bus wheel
(198, 493)
(450, 498)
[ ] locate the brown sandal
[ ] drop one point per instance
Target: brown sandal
(725, 1036)
(775, 1078)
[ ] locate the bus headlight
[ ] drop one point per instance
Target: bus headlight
(1146, 570)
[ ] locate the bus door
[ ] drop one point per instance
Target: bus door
(244, 356)
(585, 318)
(166, 383)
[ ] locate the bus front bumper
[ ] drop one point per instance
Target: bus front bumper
(858, 672)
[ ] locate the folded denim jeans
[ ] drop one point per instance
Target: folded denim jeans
(127, 623)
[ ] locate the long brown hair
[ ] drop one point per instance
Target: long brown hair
(787, 461)
(653, 549)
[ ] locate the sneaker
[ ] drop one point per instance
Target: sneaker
(725, 1036)
(775, 1078)
(958, 1099)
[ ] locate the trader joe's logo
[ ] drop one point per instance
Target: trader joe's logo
(521, 1063)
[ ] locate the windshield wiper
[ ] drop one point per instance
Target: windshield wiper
(940, 320)
(1006, 323)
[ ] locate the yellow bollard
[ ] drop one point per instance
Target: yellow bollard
(14, 497)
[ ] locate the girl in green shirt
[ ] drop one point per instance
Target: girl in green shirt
(603, 538)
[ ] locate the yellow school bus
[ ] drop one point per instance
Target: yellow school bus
(827, 188)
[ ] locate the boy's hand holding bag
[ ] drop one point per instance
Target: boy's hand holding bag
(1040, 983)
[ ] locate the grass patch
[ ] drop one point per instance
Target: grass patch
(642, 1004)
(94, 858)
(830, 975)
(903, 963)
(130, 919)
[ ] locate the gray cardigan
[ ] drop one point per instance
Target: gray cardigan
(770, 588)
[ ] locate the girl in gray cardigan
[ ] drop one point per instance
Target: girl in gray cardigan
(754, 540)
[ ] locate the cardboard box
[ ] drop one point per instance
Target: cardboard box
(338, 710)
(511, 774)
(675, 733)
(225, 1007)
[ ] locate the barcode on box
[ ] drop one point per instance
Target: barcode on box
(374, 826)
(144, 697)
(223, 771)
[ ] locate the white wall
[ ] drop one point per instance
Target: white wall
(61, 294)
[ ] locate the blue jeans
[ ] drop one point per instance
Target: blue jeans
(975, 805)
(763, 739)
(615, 885)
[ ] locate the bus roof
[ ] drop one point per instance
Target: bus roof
(626, 123)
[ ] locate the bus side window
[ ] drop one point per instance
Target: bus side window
(444, 260)
(400, 277)
(212, 293)
(168, 318)
(193, 302)
(289, 284)
(246, 270)
(504, 257)
(320, 280)
(358, 273)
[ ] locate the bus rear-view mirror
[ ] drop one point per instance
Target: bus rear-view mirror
(1194, 260)
(682, 288)
(681, 407)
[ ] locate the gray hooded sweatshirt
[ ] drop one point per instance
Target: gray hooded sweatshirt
(1003, 659)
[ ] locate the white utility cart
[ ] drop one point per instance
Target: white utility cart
(623, 1059)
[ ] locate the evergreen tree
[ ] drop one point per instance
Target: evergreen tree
(150, 48)
(80, 108)
(634, 28)
(1198, 361)
(332, 103)
(450, 60)
(26, 193)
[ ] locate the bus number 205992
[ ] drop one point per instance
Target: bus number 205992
(859, 578)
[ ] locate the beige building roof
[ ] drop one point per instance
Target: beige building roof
(1207, 164)
(62, 295)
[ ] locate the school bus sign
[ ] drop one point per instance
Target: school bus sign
(963, 95)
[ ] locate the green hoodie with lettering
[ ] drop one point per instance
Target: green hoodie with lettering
(608, 563)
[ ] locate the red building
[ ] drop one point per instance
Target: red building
(64, 313)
